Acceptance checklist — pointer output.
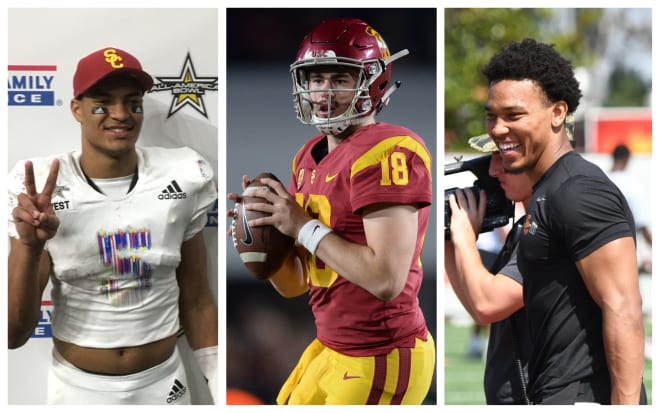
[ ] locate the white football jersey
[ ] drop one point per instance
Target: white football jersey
(114, 260)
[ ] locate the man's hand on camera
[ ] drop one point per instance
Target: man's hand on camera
(466, 215)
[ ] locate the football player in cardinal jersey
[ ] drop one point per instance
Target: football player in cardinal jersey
(117, 230)
(358, 205)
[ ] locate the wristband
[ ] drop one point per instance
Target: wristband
(207, 360)
(311, 234)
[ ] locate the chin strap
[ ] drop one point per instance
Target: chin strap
(207, 359)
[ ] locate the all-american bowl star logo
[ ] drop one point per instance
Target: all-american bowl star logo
(187, 88)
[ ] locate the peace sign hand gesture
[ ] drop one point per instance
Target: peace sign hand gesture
(34, 216)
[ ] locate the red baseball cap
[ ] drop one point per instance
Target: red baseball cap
(109, 61)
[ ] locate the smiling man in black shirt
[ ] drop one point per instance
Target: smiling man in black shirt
(577, 253)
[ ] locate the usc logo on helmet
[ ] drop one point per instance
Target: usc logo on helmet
(384, 51)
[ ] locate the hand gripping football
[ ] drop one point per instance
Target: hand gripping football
(262, 248)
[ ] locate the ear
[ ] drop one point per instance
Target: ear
(559, 112)
(76, 109)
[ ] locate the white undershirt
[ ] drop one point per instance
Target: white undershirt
(114, 188)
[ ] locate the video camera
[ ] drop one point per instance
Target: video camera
(499, 210)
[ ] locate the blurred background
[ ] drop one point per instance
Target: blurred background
(266, 333)
(611, 52)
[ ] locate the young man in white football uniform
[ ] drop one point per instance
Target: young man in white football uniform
(117, 230)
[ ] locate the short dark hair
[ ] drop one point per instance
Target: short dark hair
(620, 153)
(540, 63)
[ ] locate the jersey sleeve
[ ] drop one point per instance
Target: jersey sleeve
(395, 170)
(206, 195)
(588, 214)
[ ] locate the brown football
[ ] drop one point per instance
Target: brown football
(262, 248)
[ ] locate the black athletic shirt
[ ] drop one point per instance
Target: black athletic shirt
(575, 209)
(505, 375)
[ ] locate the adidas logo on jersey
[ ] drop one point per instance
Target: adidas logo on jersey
(178, 390)
(172, 191)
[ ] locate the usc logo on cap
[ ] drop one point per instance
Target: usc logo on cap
(104, 62)
(113, 58)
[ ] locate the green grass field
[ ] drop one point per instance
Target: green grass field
(464, 376)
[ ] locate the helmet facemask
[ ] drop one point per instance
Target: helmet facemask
(357, 111)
